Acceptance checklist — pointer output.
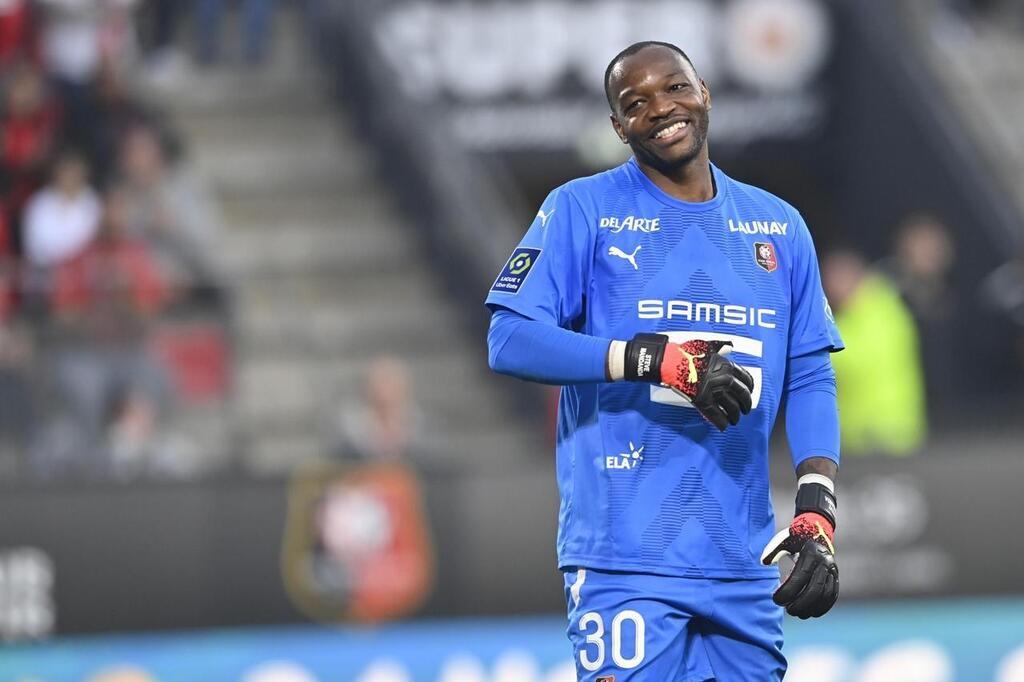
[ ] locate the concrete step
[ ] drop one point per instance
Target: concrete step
(303, 213)
(319, 419)
(224, 90)
(442, 382)
(321, 331)
(266, 153)
(298, 398)
(319, 249)
(358, 202)
(417, 286)
(206, 435)
(280, 453)
(344, 192)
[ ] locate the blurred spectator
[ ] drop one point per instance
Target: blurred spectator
(62, 217)
(116, 113)
(881, 393)
(159, 22)
(1003, 293)
(78, 38)
(921, 268)
(1004, 290)
(386, 425)
(137, 442)
(166, 206)
(17, 397)
(28, 133)
(256, 22)
(371, 557)
(18, 37)
(105, 300)
(77, 35)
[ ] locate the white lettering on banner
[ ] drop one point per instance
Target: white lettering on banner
(483, 51)
(479, 51)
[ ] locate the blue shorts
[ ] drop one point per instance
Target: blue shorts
(632, 627)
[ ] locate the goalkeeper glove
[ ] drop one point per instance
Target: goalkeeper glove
(813, 586)
(697, 370)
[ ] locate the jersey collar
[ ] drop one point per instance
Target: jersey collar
(721, 183)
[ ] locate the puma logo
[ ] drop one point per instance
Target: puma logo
(544, 216)
(691, 361)
(823, 536)
(631, 257)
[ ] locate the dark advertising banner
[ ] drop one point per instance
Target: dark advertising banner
(519, 86)
(119, 558)
(529, 75)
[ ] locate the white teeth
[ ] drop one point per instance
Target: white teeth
(671, 129)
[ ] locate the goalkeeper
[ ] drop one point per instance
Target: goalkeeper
(676, 307)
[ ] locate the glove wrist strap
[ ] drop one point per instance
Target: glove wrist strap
(643, 358)
(816, 498)
(616, 366)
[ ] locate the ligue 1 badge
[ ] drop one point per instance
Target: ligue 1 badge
(764, 254)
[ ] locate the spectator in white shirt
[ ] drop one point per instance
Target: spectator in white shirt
(78, 34)
(62, 218)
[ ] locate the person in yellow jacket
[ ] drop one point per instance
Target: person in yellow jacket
(878, 377)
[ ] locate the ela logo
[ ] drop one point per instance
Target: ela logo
(625, 460)
(519, 265)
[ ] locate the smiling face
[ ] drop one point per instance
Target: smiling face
(660, 108)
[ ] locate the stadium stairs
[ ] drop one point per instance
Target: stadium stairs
(980, 64)
(326, 274)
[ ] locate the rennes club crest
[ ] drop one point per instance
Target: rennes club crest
(764, 254)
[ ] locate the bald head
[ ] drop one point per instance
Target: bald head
(615, 67)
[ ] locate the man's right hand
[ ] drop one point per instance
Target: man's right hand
(698, 370)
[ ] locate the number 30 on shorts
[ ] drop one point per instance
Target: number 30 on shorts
(592, 653)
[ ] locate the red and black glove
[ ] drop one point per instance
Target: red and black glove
(698, 370)
(813, 586)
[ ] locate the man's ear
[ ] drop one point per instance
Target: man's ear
(705, 94)
(618, 128)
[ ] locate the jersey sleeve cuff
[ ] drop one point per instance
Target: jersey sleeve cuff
(809, 454)
(821, 343)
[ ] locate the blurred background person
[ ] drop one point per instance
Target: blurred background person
(63, 217)
(77, 37)
(30, 128)
(60, 221)
(165, 59)
(105, 299)
(166, 206)
(879, 382)
(386, 423)
(1003, 293)
(255, 23)
(922, 269)
(19, 395)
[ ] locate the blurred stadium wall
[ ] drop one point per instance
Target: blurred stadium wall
(335, 185)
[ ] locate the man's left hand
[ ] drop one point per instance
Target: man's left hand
(813, 586)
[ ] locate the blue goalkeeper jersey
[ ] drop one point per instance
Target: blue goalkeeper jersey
(646, 483)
